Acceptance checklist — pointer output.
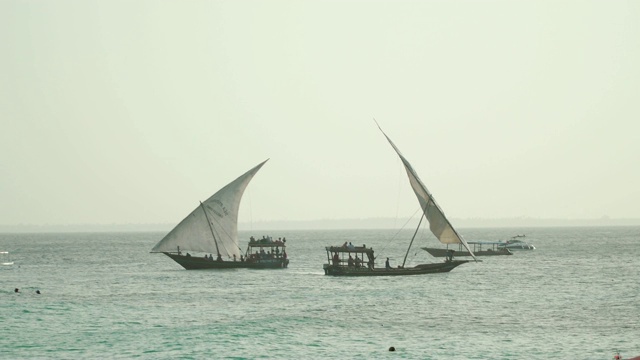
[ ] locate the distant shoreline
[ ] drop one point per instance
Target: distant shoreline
(333, 224)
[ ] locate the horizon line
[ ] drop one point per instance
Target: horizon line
(330, 224)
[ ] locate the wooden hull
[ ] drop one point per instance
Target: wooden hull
(336, 270)
(199, 263)
(436, 252)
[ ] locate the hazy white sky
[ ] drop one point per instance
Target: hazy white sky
(133, 111)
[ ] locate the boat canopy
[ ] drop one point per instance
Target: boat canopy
(270, 244)
(345, 249)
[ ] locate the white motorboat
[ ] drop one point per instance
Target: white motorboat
(515, 244)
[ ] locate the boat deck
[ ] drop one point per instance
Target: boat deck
(340, 270)
(197, 263)
(339, 265)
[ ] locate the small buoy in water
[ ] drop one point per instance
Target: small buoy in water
(392, 349)
(16, 290)
(38, 292)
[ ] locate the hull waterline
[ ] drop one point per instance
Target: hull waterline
(198, 263)
(437, 252)
(337, 270)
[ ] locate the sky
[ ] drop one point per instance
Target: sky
(125, 112)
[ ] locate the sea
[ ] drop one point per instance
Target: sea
(105, 296)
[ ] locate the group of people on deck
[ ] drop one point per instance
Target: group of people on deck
(267, 240)
(262, 255)
(357, 262)
(351, 262)
(267, 255)
(210, 257)
(350, 246)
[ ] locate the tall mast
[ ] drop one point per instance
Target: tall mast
(210, 228)
(414, 236)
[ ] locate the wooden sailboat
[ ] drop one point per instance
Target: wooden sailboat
(480, 248)
(212, 228)
(439, 225)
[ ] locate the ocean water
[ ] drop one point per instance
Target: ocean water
(103, 295)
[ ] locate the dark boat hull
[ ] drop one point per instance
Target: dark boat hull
(336, 270)
(199, 263)
(436, 252)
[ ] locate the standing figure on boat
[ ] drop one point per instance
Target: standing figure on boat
(450, 255)
(336, 259)
(350, 262)
(386, 264)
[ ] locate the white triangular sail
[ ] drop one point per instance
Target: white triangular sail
(194, 233)
(438, 222)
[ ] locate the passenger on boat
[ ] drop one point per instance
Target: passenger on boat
(241, 258)
(345, 244)
(370, 263)
(350, 262)
(336, 259)
(234, 257)
(350, 246)
(450, 255)
(386, 264)
(358, 261)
